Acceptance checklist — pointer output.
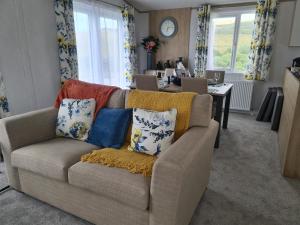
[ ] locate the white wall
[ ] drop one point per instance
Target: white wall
(141, 31)
(28, 53)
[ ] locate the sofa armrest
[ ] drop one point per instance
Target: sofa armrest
(180, 176)
(29, 128)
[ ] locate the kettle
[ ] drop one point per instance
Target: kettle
(296, 65)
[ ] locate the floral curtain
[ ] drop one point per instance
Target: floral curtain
(4, 109)
(66, 39)
(261, 44)
(130, 57)
(203, 15)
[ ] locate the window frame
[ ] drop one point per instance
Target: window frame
(221, 13)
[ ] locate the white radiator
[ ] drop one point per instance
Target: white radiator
(241, 94)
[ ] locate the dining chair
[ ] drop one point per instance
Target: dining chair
(198, 85)
(146, 82)
(151, 72)
(210, 74)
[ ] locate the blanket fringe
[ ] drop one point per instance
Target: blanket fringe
(132, 161)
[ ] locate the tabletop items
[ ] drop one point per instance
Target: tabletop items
(174, 75)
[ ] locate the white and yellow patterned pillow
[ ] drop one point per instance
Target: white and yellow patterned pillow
(152, 132)
(75, 118)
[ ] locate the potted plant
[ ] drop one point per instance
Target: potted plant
(151, 45)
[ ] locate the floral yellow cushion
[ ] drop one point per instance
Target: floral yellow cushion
(75, 118)
(152, 132)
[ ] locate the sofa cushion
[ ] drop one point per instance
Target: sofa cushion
(75, 118)
(201, 111)
(118, 184)
(51, 158)
(117, 99)
(110, 127)
(152, 131)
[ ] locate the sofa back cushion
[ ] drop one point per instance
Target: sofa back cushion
(117, 99)
(201, 111)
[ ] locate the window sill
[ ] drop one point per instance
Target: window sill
(234, 76)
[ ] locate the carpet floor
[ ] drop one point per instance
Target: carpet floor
(3, 179)
(245, 186)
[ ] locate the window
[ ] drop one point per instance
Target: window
(230, 39)
(99, 38)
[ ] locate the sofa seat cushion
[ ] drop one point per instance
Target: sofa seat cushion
(118, 184)
(51, 158)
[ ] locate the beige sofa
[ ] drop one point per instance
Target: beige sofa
(49, 169)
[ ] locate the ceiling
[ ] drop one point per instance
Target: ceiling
(148, 5)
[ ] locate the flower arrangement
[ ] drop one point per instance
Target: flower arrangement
(151, 44)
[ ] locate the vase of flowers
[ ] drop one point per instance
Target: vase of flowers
(151, 45)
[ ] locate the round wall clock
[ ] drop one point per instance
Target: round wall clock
(168, 27)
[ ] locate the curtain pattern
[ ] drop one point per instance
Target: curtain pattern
(66, 39)
(130, 58)
(4, 108)
(261, 44)
(203, 15)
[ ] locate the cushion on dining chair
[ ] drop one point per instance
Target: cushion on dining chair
(198, 85)
(201, 111)
(146, 82)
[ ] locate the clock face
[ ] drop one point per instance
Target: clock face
(168, 27)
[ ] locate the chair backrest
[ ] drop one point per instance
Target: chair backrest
(146, 82)
(198, 85)
(151, 72)
(210, 74)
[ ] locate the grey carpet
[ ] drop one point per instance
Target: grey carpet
(245, 186)
(3, 179)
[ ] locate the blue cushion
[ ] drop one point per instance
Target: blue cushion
(110, 128)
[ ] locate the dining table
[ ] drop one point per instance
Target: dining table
(219, 92)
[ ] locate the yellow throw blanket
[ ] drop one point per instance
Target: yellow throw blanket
(122, 158)
(158, 101)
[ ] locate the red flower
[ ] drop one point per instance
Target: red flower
(152, 43)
